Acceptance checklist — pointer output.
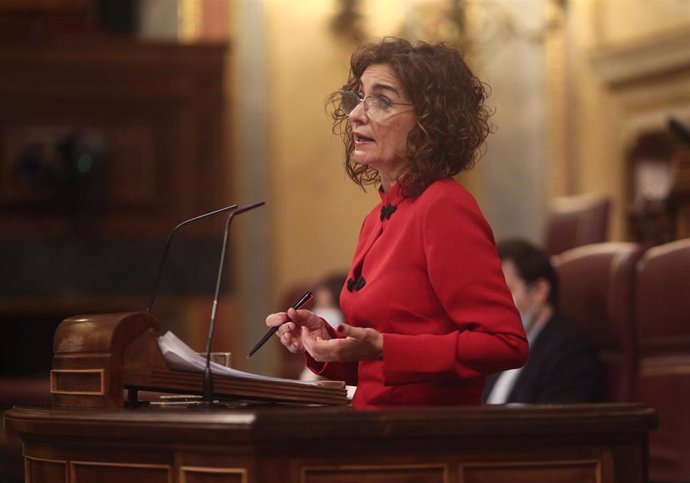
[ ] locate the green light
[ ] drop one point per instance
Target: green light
(85, 163)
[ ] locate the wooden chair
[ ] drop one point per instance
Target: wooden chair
(574, 221)
(597, 289)
(663, 333)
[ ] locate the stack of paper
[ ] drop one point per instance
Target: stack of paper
(179, 356)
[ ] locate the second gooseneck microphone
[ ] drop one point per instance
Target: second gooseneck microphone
(167, 246)
(207, 389)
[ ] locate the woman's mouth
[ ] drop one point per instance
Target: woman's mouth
(359, 138)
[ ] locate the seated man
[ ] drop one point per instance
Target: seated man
(562, 365)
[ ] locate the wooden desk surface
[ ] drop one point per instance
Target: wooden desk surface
(587, 443)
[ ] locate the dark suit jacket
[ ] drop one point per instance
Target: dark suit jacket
(562, 367)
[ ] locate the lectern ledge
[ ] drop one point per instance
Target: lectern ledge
(97, 357)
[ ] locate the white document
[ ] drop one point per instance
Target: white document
(179, 356)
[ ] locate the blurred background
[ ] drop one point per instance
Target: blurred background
(121, 118)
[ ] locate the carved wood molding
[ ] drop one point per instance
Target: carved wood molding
(648, 79)
(664, 53)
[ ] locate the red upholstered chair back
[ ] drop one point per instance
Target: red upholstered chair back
(663, 380)
(597, 289)
(574, 221)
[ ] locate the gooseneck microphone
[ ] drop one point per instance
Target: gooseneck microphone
(167, 246)
(207, 389)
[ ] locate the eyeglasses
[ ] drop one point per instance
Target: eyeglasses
(376, 107)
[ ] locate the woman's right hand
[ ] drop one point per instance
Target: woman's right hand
(290, 325)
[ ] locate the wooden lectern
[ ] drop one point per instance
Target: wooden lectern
(96, 357)
(89, 435)
(492, 444)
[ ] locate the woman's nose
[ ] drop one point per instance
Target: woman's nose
(358, 114)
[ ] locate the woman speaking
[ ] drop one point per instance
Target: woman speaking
(426, 307)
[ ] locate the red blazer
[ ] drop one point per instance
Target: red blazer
(427, 276)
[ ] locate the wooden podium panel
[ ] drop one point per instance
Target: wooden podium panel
(96, 356)
(599, 443)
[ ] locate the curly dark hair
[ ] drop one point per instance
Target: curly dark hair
(449, 101)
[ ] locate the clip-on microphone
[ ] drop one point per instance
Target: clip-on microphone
(207, 390)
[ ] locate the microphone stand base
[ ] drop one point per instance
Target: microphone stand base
(208, 405)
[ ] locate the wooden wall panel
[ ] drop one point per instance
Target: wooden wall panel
(150, 116)
(106, 144)
(376, 474)
(532, 472)
(37, 469)
(102, 472)
(200, 474)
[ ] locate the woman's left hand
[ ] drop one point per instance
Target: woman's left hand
(358, 344)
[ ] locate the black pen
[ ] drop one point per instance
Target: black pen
(303, 300)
